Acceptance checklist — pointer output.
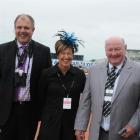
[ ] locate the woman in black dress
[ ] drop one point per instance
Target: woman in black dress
(61, 85)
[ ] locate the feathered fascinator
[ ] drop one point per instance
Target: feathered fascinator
(70, 40)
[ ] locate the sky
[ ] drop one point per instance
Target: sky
(92, 21)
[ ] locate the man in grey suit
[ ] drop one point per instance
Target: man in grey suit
(119, 119)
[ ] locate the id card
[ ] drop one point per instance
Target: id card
(108, 98)
(109, 91)
(67, 103)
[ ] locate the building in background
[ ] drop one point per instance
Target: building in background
(130, 53)
(133, 54)
(78, 61)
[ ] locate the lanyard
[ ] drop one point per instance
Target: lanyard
(119, 71)
(67, 91)
(23, 62)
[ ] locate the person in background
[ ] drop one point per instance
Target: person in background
(62, 84)
(112, 96)
(21, 63)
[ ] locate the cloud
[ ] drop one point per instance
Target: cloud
(92, 20)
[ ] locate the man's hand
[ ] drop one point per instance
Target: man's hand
(130, 131)
(80, 135)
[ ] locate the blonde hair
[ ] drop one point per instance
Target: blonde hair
(60, 45)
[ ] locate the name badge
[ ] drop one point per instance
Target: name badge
(109, 91)
(108, 98)
(67, 103)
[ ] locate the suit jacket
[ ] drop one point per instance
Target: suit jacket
(41, 60)
(125, 105)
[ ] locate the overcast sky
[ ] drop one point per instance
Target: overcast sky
(93, 21)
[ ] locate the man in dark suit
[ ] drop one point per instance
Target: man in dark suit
(21, 63)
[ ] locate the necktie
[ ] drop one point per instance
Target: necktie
(109, 85)
(22, 56)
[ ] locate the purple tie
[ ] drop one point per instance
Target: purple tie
(22, 54)
(22, 67)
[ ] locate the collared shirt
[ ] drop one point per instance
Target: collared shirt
(105, 123)
(24, 92)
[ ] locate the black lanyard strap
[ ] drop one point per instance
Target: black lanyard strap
(119, 71)
(18, 66)
(67, 91)
(22, 57)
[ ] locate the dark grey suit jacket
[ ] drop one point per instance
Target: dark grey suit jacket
(41, 60)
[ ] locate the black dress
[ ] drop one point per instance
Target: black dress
(58, 123)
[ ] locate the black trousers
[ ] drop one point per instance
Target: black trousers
(19, 126)
(103, 135)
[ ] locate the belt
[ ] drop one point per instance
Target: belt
(21, 102)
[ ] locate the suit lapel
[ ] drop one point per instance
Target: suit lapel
(11, 51)
(35, 58)
(124, 75)
(103, 78)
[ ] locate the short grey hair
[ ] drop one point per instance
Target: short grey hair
(23, 16)
(120, 38)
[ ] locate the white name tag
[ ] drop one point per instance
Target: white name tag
(107, 98)
(109, 91)
(67, 103)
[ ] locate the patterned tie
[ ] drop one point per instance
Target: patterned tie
(23, 56)
(23, 51)
(109, 85)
